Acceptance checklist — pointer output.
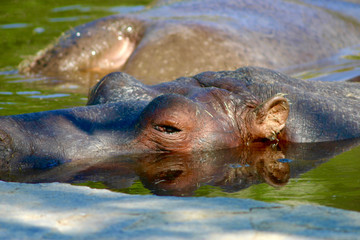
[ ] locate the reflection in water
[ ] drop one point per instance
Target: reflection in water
(231, 169)
(182, 174)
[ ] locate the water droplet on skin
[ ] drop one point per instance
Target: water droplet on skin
(235, 166)
(78, 34)
(93, 53)
(120, 38)
(129, 29)
(284, 160)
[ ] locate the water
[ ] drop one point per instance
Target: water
(296, 174)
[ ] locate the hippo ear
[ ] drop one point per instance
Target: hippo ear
(269, 118)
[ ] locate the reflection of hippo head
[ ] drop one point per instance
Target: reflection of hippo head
(274, 171)
(232, 169)
(256, 163)
(174, 174)
(179, 174)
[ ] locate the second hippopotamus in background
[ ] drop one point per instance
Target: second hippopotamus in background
(182, 38)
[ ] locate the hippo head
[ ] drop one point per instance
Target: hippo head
(205, 112)
(212, 110)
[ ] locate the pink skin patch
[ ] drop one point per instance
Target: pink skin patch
(114, 58)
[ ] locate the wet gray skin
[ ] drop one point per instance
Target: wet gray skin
(212, 110)
(171, 39)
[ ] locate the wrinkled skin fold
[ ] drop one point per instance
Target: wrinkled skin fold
(209, 111)
(171, 39)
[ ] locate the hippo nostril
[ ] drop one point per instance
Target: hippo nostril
(167, 129)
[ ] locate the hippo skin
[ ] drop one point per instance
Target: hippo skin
(174, 38)
(211, 110)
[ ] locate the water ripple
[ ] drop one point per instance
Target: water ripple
(56, 95)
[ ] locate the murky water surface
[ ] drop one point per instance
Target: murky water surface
(326, 174)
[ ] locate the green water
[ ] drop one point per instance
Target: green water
(28, 26)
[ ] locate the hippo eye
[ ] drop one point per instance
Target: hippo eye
(167, 129)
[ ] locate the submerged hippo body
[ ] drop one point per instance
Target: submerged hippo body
(212, 110)
(182, 38)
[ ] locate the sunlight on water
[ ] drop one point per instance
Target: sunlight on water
(343, 67)
(24, 95)
(14, 25)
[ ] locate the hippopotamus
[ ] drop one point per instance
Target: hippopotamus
(172, 38)
(209, 111)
